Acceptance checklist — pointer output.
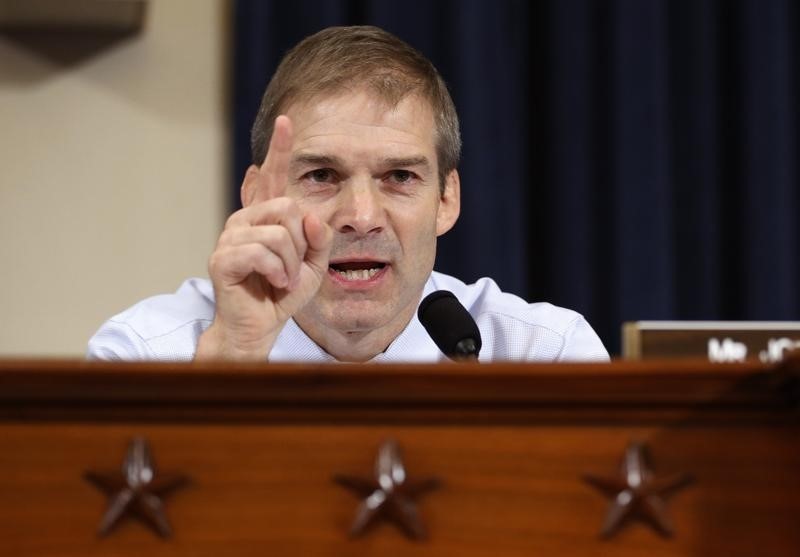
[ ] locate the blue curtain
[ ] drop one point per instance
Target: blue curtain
(630, 159)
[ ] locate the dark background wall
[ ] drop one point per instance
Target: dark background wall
(629, 159)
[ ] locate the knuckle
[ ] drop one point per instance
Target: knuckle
(233, 220)
(272, 236)
(283, 205)
(234, 236)
(283, 234)
(215, 262)
(230, 236)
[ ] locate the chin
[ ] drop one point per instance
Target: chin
(355, 315)
(356, 323)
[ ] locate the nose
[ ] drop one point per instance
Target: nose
(360, 209)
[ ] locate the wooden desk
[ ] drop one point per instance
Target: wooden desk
(510, 443)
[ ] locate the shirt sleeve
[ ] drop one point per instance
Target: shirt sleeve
(118, 341)
(581, 343)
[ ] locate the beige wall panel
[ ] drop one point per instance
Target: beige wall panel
(114, 172)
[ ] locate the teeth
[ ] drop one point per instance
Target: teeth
(358, 274)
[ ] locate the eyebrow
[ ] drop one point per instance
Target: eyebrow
(310, 159)
(406, 162)
(314, 160)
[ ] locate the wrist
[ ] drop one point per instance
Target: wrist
(216, 344)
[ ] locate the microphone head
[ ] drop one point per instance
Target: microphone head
(450, 325)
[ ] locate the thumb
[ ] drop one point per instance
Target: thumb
(320, 238)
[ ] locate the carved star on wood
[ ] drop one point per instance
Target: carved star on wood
(390, 494)
(636, 492)
(137, 490)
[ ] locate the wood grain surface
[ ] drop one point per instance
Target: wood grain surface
(261, 445)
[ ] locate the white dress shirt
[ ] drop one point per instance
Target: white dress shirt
(167, 327)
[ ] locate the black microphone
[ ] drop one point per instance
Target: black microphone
(450, 325)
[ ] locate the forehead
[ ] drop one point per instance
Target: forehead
(364, 118)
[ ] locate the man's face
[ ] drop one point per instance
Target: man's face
(370, 171)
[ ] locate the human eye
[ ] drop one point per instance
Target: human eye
(401, 177)
(320, 176)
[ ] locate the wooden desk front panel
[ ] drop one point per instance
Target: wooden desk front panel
(266, 489)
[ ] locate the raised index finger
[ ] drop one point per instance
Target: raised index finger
(275, 170)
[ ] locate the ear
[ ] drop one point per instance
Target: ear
(449, 203)
(249, 185)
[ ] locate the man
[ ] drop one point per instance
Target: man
(335, 245)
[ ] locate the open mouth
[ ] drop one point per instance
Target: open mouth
(357, 270)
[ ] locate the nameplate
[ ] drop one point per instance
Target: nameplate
(718, 341)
